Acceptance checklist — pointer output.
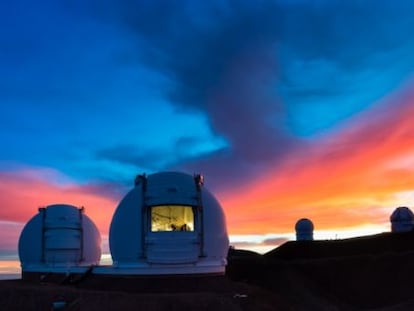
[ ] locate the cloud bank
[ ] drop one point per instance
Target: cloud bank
(258, 70)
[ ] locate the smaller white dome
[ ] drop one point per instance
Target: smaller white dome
(304, 230)
(402, 219)
(59, 235)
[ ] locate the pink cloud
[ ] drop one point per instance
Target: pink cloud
(24, 190)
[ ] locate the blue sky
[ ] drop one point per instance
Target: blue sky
(99, 91)
(100, 88)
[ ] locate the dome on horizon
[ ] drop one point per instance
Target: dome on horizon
(60, 235)
(304, 230)
(169, 223)
(402, 219)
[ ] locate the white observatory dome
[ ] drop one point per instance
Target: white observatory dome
(304, 230)
(402, 220)
(59, 237)
(168, 224)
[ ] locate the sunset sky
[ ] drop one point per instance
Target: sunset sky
(290, 109)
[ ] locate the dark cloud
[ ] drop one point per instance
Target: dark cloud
(151, 159)
(133, 155)
(227, 59)
(225, 67)
(112, 190)
(349, 32)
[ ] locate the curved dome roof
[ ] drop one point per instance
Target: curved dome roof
(304, 224)
(402, 213)
(304, 229)
(169, 224)
(59, 235)
(402, 219)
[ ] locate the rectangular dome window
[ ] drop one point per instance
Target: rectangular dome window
(172, 218)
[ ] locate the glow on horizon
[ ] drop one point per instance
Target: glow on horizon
(347, 182)
(352, 177)
(10, 267)
(266, 242)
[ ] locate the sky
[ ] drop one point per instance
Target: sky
(290, 109)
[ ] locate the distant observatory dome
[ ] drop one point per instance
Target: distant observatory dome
(59, 237)
(402, 220)
(169, 224)
(304, 230)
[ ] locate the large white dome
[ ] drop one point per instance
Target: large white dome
(169, 224)
(59, 236)
(402, 219)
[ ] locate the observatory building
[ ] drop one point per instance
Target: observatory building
(59, 239)
(402, 220)
(168, 224)
(304, 230)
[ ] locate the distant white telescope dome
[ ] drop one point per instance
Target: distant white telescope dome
(304, 230)
(402, 219)
(59, 236)
(169, 223)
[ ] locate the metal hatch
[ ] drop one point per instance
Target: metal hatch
(172, 222)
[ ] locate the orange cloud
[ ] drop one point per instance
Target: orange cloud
(348, 178)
